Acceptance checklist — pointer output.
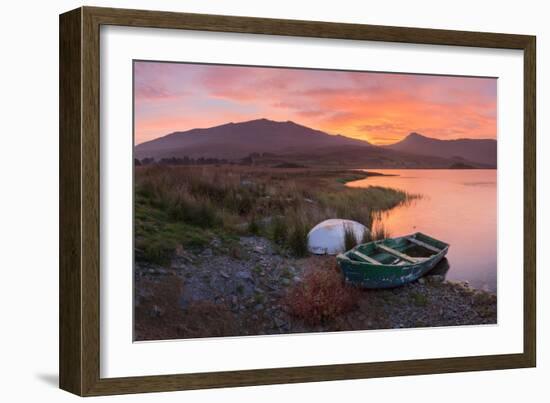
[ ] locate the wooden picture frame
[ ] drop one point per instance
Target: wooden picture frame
(79, 200)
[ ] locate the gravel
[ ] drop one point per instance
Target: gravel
(253, 286)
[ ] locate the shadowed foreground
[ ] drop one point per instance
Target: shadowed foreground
(216, 295)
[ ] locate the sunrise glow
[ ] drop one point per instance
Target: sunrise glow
(381, 108)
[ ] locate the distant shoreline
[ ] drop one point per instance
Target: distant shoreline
(426, 169)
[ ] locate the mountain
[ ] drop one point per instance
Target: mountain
(238, 140)
(482, 151)
(281, 143)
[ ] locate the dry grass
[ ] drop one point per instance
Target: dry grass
(322, 296)
(379, 231)
(350, 241)
(282, 204)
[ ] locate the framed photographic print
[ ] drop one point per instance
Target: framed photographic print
(251, 201)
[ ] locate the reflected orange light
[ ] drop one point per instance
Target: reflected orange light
(381, 108)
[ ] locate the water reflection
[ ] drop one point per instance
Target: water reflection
(440, 269)
(457, 206)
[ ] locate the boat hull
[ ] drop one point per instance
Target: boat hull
(369, 275)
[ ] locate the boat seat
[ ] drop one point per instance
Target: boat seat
(394, 252)
(423, 244)
(366, 258)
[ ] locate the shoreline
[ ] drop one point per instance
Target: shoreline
(222, 251)
(247, 295)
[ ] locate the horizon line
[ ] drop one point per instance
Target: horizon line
(299, 124)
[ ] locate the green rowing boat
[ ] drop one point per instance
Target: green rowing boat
(391, 262)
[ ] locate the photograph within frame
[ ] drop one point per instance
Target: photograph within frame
(80, 354)
(274, 200)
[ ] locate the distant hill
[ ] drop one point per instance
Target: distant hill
(461, 165)
(371, 157)
(267, 142)
(238, 140)
(482, 151)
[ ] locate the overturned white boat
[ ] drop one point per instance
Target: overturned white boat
(328, 237)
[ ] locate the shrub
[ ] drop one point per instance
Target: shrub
(253, 226)
(278, 230)
(297, 239)
(156, 252)
(244, 203)
(321, 296)
(192, 211)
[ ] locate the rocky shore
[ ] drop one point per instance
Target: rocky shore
(241, 290)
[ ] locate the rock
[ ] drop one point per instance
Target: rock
(157, 272)
(421, 280)
(244, 275)
(183, 303)
(435, 279)
(253, 288)
(279, 322)
(156, 311)
(182, 254)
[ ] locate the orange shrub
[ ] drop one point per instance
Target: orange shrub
(321, 296)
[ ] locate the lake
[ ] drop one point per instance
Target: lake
(458, 207)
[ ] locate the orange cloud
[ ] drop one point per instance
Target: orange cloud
(379, 107)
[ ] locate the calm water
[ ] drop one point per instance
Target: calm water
(458, 207)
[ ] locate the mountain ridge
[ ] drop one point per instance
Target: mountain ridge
(482, 151)
(237, 140)
(234, 141)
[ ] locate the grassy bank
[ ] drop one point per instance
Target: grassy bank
(189, 206)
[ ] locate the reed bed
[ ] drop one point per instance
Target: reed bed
(189, 205)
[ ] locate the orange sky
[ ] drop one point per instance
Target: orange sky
(381, 108)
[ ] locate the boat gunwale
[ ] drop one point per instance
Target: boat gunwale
(345, 256)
